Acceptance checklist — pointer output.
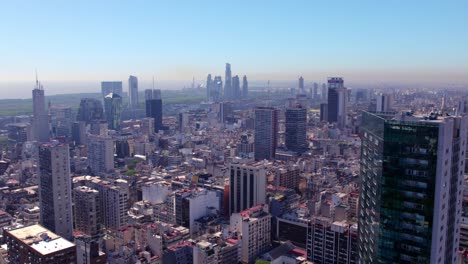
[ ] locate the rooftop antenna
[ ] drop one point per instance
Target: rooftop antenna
(153, 82)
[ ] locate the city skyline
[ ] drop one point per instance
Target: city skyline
(413, 42)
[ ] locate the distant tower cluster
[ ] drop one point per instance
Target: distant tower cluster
(232, 87)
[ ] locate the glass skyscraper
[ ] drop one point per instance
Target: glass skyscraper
(410, 188)
(113, 106)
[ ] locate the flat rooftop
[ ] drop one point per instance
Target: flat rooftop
(41, 239)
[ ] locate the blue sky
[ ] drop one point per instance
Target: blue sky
(175, 40)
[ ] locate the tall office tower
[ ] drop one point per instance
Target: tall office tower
(247, 185)
(236, 91)
(113, 106)
(209, 84)
(411, 185)
(337, 101)
(36, 244)
(90, 110)
(245, 87)
(153, 105)
(324, 92)
(384, 103)
(266, 130)
(228, 92)
(40, 116)
(217, 87)
(111, 87)
(296, 129)
(55, 189)
(61, 120)
(100, 154)
(253, 226)
(324, 112)
(133, 92)
(315, 92)
(79, 132)
(301, 85)
(88, 216)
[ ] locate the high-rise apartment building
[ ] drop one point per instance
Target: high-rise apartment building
(88, 215)
(55, 189)
(36, 244)
(266, 130)
(411, 185)
(296, 129)
(111, 87)
(133, 92)
(41, 132)
(247, 185)
(337, 101)
(113, 110)
(153, 106)
(100, 154)
(228, 92)
(90, 110)
(254, 227)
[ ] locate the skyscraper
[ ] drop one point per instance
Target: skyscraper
(55, 189)
(40, 116)
(113, 105)
(153, 105)
(315, 92)
(111, 87)
(236, 87)
(245, 87)
(228, 93)
(301, 85)
(209, 84)
(266, 129)
(324, 92)
(296, 129)
(133, 92)
(216, 88)
(90, 110)
(411, 184)
(337, 101)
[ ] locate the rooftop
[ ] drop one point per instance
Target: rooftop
(41, 239)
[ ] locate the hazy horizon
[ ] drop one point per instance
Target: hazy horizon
(369, 42)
